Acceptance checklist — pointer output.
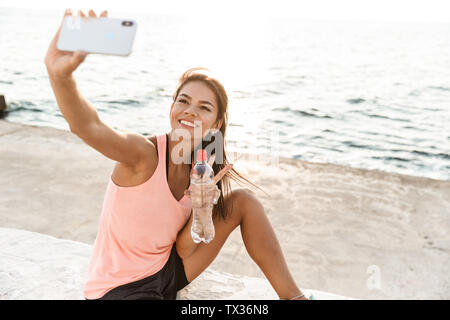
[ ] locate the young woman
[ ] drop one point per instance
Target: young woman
(144, 249)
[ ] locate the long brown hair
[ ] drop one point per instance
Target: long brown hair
(195, 74)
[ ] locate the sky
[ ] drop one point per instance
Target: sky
(361, 10)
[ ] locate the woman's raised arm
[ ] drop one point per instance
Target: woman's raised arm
(77, 111)
(130, 149)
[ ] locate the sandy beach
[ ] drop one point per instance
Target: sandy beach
(365, 234)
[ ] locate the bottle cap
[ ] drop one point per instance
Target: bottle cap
(201, 155)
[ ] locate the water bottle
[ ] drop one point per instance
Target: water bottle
(204, 194)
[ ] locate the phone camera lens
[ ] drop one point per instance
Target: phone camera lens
(127, 23)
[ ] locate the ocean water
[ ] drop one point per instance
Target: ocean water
(363, 94)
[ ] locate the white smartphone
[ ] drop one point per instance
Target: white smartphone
(97, 35)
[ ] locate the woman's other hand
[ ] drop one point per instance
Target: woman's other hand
(213, 193)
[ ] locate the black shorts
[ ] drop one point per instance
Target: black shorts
(162, 285)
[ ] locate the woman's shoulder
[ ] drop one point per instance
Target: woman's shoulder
(129, 177)
(153, 139)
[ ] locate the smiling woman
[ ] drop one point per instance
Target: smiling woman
(144, 247)
(208, 110)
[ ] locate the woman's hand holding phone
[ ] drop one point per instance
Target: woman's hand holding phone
(61, 64)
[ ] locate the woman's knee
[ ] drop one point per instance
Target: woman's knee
(246, 201)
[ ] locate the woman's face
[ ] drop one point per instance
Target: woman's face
(196, 104)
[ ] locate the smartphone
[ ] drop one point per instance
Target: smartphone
(97, 35)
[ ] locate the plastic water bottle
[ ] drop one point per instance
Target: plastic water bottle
(204, 194)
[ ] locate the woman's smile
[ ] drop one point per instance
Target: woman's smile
(189, 124)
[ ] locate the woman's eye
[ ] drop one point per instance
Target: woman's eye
(185, 101)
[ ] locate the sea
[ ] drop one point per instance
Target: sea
(372, 95)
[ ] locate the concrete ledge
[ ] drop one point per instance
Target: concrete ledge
(38, 266)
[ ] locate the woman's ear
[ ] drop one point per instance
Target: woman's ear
(216, 128)
(219, 124)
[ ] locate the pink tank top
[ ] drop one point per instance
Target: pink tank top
(138, 226)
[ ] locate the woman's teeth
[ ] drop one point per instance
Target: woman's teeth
(190, 124)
